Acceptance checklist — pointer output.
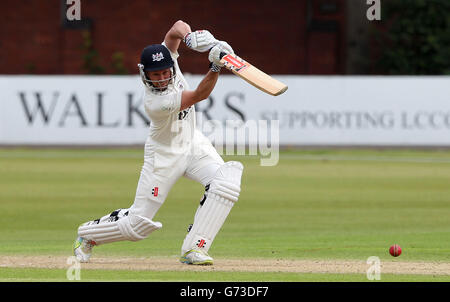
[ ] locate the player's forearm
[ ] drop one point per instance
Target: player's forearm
(176, 34)
(202, 92)
(207, 85)
(179, 30)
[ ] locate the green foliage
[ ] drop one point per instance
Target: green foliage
(30, 68)
(117, 63)
(417, 37)
(90, 58)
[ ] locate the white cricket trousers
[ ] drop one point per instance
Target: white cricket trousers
(164, 166)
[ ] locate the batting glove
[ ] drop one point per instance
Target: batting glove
(200, 40)
(225, 47)
(214, 56)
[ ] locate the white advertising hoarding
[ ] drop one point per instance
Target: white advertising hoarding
(96, 110)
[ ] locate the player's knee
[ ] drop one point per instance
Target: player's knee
(135, 227)
(227, 181)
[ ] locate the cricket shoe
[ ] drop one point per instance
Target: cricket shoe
(196, 257)
(82, 249)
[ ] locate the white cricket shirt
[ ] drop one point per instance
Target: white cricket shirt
(170, 127)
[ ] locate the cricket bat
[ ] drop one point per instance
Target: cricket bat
(252, 74)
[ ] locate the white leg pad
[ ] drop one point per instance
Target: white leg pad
(131, 228)
(137, 227)
(223, 192)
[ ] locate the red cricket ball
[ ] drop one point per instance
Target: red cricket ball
(395, 250)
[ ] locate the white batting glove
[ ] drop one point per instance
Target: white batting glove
(214, 58)
(225, 47)
(200, 40)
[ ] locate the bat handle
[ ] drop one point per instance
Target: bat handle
(222, 54)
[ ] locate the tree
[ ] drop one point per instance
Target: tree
(414, 38)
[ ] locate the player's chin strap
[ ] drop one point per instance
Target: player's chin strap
(220, 196)
(149, 83)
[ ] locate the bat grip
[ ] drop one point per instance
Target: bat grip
(222, 54)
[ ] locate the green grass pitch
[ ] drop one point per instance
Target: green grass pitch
(314, 204)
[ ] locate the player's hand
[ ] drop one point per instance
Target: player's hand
(214, 56)
(200, 40)
(225, 47)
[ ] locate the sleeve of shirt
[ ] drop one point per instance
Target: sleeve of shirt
(174, 55)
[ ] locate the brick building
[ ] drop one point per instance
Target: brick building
(281, 37)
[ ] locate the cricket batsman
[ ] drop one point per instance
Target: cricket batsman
(174, 148)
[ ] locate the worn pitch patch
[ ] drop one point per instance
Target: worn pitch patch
(230, 265)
